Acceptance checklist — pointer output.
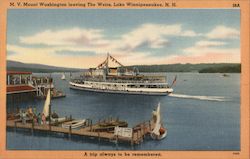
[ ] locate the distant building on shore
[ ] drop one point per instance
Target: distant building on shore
(19, 82)
(23, 86)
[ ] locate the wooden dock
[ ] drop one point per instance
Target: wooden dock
(138, 132)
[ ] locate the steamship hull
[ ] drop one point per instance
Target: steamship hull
(119, 88)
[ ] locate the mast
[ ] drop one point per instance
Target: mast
(107, 61)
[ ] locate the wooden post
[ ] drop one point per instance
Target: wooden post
(116, 137)
(49, 127)
(70, 129)
(149, 122)
(15, 126)
(132, 141)
(142, 130)
(88, 122)
(137, 134)
(90, 125)
(142, 133)
(32, 127)
(99, 136)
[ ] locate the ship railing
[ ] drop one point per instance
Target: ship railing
(118, 81)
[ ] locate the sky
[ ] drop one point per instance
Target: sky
(81, 38)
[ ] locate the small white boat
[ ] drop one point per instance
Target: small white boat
(58, 119)
(225, 75)
(159, 132)
(63, 76)
(74, 124)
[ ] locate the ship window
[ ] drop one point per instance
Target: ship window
(132, 86)
(143, 86)
(153, 86)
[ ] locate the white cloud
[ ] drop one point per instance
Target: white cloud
(74, 36)
(189, 33)
(152, 35)
(223, 32)
(209, 47)
(124, 47)
(196, 51)
(206, 43)
(48, 56)
(93, 40)
(146, 35)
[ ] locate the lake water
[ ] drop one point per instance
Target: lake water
(203, 113)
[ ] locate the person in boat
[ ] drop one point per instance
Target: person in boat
(54, 115)
(162, 130)
(39, 118)
(43, 119)
(34, 110)
(30, 112)
(17, 113)
(35, 120)
(10, 116)
(20, 113)
(23, 116)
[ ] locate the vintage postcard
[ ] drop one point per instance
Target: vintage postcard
(124, 79)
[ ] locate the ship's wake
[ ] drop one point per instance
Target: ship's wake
(209, 98)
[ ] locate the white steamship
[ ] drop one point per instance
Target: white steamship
(122, 80)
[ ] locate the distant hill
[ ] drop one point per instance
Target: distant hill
(222, 69)
(39, 68)
(202, 68)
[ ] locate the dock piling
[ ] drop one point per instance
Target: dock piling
(70, 131)
(149, 123)
(32, 127)
(99, 139)
(116, 138)
(142, 133)
(87, 122)
(90, 125)
(132, 138)
(15, 126)
(137, 135)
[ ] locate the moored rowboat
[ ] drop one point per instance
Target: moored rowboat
(74, 124)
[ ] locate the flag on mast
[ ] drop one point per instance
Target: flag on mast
(174, 81)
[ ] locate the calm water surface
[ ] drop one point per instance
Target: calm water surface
(202, 114)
